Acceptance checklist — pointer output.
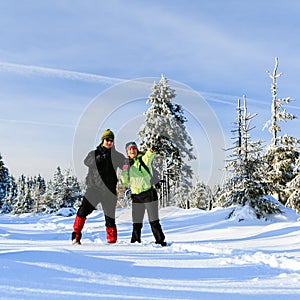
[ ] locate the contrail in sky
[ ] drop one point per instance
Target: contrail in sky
(88, 77)
(72, 75)
(37, 123)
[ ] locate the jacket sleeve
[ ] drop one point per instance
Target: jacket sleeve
(148, 158)
(121, 160)
(118, 159)
(124, 178)
(90, 159)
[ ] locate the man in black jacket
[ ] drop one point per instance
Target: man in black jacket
(101, 182)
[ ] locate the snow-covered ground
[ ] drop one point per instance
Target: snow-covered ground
(209, 257)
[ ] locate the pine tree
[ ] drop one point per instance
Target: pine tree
(71, 193)
(283, 151)
(4, 181)
(279, 113)
(46, 199)
(294, 186)
(201, 196)
(28, 199)
(24, 201)
(181, 194)
(216, 199)
(58, 187)
(9, 201)
(17, 208)
(64, 191)
(38, 189)
(165, 127)
(245, 184)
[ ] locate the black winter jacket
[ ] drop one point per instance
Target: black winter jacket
(103, 164)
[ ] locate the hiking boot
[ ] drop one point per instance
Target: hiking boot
(136, 232)
(76, 242)
(76, 238)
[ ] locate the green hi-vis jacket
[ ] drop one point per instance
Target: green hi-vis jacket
(136, 176)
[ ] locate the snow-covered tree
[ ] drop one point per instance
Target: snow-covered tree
(9, 201)
(34, 195)
(294, 186)
(165, 127)
(216, 199)
(72, 191)
(201, 196)
(4, 181)
(283, 151)
(58, 189)
(244, 186)
(63, 191)
(38, 189)
(280, 164)
(24, 201)
(46, 204)
(21, 183)
(28, 199)
(278, 112)
(181, 194)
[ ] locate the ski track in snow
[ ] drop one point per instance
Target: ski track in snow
(208, 257)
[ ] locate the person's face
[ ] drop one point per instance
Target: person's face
(108, 143)
(132, 152)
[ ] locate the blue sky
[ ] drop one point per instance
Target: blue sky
(57, 57)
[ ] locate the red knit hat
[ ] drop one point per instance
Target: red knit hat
(131, 145)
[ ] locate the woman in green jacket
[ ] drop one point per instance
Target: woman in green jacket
(138, 174)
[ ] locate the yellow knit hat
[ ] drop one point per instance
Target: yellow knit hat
(107, 134)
